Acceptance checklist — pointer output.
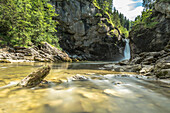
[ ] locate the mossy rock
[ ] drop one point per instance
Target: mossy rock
(35, 77)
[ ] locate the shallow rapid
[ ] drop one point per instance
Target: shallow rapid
(104, 91)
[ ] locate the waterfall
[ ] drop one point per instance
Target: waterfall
(127, 50)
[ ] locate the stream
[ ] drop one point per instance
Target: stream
(104, 92)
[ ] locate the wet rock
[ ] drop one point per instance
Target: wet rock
(148, 60)
(36, 77)
(162, 66)
(118, 69)
(137, 60)
(136, 67)
(146, 69)
(45, 84)
(62, 80)
(164, 73)
(123, 68)
(41, 59)
(19, 48)
(79, 77)
(111, 92)
(4, 61)
(122, 63)
(95, 96)
(55, 103)
(117, 82)
(97, 78)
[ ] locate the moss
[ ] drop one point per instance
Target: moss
(96, 4)
(114, 33)
(109, 20)
(151, 25)
(99, 15)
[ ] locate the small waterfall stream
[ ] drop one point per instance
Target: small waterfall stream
(127, 50)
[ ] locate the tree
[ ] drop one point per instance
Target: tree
(24, 22)
(148, 4)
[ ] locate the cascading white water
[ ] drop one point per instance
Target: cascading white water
(127, 50)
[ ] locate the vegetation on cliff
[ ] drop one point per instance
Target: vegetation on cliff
(27, 22)
(147, 19)
(115, 18)
(150, 32)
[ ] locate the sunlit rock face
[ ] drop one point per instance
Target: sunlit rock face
(155, 38)
(84, 34)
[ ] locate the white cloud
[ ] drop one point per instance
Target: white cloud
(128, 8)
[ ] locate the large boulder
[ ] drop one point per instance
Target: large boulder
(44, 52)
(53, 53)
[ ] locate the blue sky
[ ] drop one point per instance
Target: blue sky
(130, 8)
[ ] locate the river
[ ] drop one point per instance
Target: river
(104, 91)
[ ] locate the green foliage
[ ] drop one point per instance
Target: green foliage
(99, 14)
(96, 4)
(124, 31)
(27, 22)
(105, 5)
(146, 19)
(148, 4)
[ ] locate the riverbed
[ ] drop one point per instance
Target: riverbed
(104, 92)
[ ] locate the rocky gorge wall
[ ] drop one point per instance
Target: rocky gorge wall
(84, 34)
(156, 38)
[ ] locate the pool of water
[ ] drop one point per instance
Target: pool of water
(104, 91)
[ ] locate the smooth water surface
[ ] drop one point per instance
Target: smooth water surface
(104, 92)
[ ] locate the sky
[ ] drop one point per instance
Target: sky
(130, 8)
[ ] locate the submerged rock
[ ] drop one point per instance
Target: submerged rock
(5, 61)
(111, 92)
(36, 77)
(79, 77)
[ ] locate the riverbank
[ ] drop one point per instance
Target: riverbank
(44, 52)
(151, 64)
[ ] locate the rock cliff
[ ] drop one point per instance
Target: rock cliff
(86, 34)
(156, 38)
